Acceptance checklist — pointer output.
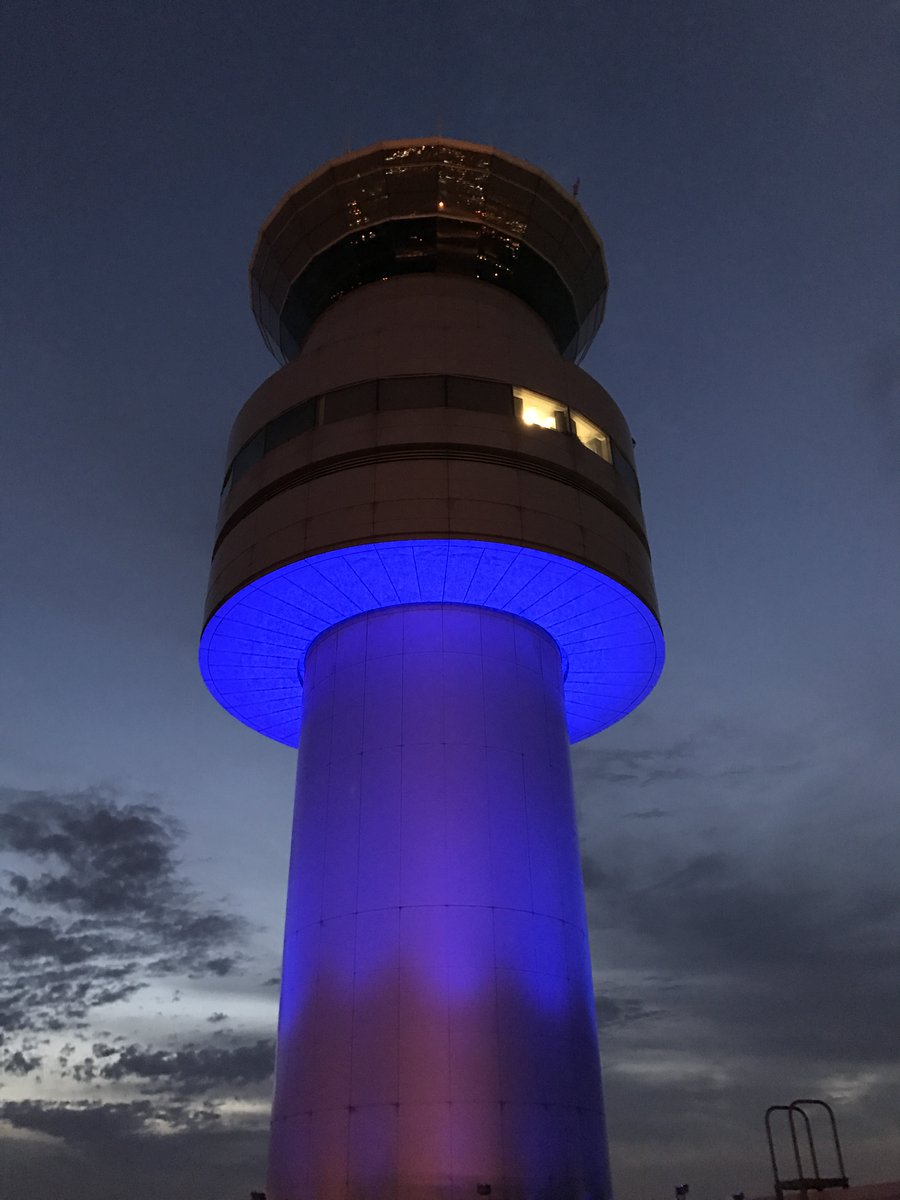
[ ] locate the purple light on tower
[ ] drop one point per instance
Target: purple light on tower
(431, 575)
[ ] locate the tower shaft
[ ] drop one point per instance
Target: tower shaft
(437, 1027)
(431, 565)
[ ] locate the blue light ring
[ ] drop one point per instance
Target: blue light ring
(611, 662)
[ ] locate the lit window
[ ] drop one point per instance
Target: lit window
(592, 436)
(535, 409)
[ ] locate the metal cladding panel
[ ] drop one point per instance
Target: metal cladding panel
(437, 1026)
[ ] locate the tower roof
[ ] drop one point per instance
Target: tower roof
(431, 205)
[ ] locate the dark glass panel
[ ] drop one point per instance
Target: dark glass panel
(483, 395)
(625, 469)
(419, 155)
(457, 245)
(538, 284)
(355, 401)
(442, 156)
(594, 318)
(501, 168)
(270, 272)
(313, 210)
(584, 284)
(363, 206)
(359, 165)
(293, 261)
(316, 187)
(329, 229)
(551, 220)
(514, 201)
(262, 268)
(290, 424)
(248, 454)
(412, 391)
(567, 259)
(277, 222)
(427, 244)
(288, 345)
(540, 241)
(411, 180)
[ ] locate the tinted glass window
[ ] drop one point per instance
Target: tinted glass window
(624, 467)
(535, 409)
(591, 435)
(354, 401)
(407, 245)
(247, 456)
(481, 394)
(415, 391)
(291, 423)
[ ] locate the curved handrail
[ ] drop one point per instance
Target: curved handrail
(789, 1110)
(794, 1107)
(837, 1141)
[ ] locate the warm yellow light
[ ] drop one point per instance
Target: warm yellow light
(591, 435)
(440, 204)
(531, 416)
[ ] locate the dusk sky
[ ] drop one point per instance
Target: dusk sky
(740, 832)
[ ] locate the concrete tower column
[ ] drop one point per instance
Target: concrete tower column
(437, 1028)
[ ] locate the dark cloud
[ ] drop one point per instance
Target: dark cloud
(97, 906)
(193, 1068)
(622, 1011)
(716, 753)
(175, 1129)
(782, 944)
(159, 1148)
(221, 966)
(108, 859)
(20, 1062)
(90, 1121)
(625, 765)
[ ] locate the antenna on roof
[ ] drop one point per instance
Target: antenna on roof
(576, 185)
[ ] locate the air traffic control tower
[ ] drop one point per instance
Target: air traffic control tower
(431, 575)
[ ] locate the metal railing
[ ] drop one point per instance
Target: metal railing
(803, 1182)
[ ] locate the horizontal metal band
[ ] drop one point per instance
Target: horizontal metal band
(431, 451)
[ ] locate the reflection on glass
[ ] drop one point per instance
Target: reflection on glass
(591, 435)
(535, 409)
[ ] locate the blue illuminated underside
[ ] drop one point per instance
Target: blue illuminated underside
(254, 646)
